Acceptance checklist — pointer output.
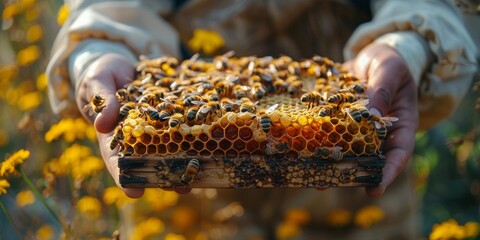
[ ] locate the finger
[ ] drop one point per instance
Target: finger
(111, 161)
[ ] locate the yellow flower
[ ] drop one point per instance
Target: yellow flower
(450, 229)
(297, 216)
(28, 55)
(160, 199)
(29, 101)
(8, 166)
(339, 217)
(25, 198)
(45, 232)
(8, 73)
(86, 167)
(472, 229)
(147, 228)
(368, 215)
(41, 82)
(63, 13)
(287, 230)
(27, 3)
(3, 137)
(206, 41)
(4, 184)
(34, 33)
(183, 217)
(10, 11)
(89, 207)
(32, 14)
(71, 129)
(173, 236)
(115, 195)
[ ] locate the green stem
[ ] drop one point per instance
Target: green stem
(40, 197)
(10, 219)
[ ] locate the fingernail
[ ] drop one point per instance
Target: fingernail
(375, 111)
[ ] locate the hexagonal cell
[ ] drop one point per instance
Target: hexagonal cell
(172, 147)
(365, 130)
(239, 122)
(161, 148)
(340, 128)
(192, 152)
(232, 153)
(277, 130)
(252, 146)
(245, 133)
(368, 139)
(190, 138)
(334, 137)
(151, 149)
(176, 137)
(185, 146)
(347, 137)
(334, 121)
(211, 145)
(327, 127)
(320, 136)
(224, 122)
(217, 132)
(239, 145)
(165, 137)
(198, 145)
(218, 153)
(358, 147)
(140, 148)
(370, 148)
(231, 132)
(145, 138)
(344, 145)
(132, 140)
(203, 137)
(292, 131)
(225, 144)
(353, 128)
(244, 154)
(299, 143)
(307, 132)
(312, 146)
(291, 154)
(205, 153)
(156, 140)
(315, 126)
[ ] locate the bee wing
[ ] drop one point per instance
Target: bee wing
(229, 54)
(336, 148)
(88, 109)
(251, 67)
(204, 110)
(377, 125)
(195, 57)
(361, 102)
(198, 102)
(272, 108)
(389, 120)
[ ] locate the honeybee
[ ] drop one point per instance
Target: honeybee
(191, 170)
(295, 87)
(279, 86)
(230, 106)
(150, 111)
(328, 110)
(116, 137)
(357, 110)
(240, 91)
(97, 104)
(149, 98)
(164, 81)
(258, 90)
(356, 88)
(206, 110)
(333, 153)
(312, 98)
(276, 147)
(225, 88)
(381, 124)
(122, 95)
(190, 98)
(294, 68)
(167, 108)
(125, 108)
(175, 120)
(211, 95)
(342, 97)
(248, 106)
(265, 121)
(192, 113)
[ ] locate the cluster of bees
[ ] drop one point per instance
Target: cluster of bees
(168, 95)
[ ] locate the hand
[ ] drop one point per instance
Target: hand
(392, 92)
(103, 77)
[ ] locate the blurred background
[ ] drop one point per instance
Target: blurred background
(53, 183)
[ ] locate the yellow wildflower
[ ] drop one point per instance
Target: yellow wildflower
(45, 232)
(27, 3)
(34, 33)
(173, 236)
(10, 11)
(32, 14)
(147, 228)
(339, 217)
(450, 229)
(297, 216)
(28, 55)
(8, 73)
(25, 198)
(287, 230)
(472, 229)
(29, 101)
(89, 207)
(368, 215)
(160, 199)
(8, 166)
(3, 137)
(183, 217)
(4, 184)
(63, 13)
(206, 41)
(71, 129)
(41, 82)
(88, 166)
(115, 195)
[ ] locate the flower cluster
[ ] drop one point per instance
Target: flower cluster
(451, 230)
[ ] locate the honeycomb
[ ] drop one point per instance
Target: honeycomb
(239, 107)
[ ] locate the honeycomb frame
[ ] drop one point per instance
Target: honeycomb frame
(247, 123)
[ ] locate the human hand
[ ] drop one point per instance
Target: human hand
(392, 92)
(103, 77)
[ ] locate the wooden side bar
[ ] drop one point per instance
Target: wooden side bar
(250, 172)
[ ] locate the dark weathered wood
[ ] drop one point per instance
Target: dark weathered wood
(251, 172)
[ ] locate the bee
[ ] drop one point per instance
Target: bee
(332, 153)
(192, 113)
(175, 120)
(381, 124)
(294, 68)
(149, 98)
(240, 91)
(328, 110)
(295, 87)
(116, 137)
(191, 170)
(206, 110)
(150, 111)
(355, 88)
(341, 97)
(125, 108)
(276, 148)
(258, 90)
(230, 106)
(122, 95)
(164, 81)
(190, 98)
(97, 104)
(167, 108)
(357, 110)
(265, 121)
(312, 98)
(225, 88)
(279, 86)
(248, 106)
